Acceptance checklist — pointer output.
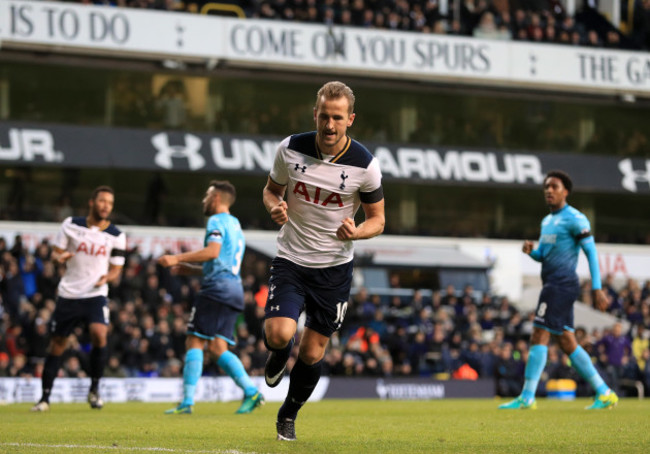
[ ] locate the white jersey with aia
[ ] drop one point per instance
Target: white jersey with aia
(93, 250)
(321, 191)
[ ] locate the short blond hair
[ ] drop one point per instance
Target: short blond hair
(334, 90)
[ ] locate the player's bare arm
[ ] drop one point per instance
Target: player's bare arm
(273, 201)
(527, 247)
(60, 255)
(371, 227)
(210, 252)
(113, 275)
(187, 269)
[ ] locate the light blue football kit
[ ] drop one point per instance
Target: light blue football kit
(563, 233)
(215, 312)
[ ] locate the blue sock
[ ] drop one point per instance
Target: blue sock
(192, 371)
(581, 362)
(534, 368)
(232, 366)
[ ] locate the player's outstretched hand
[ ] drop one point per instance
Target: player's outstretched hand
(167, 260)
(279, 213)
(527, 247)
(600, 300)
(347, 230)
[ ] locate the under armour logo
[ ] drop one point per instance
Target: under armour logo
(274, 308)
(631, 176)
(189, 151)
(343, 178)
(301, 168)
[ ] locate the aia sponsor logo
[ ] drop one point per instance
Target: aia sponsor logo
(317, 195)
(91, 249)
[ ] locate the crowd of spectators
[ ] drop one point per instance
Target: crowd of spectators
(450, 334)
(524, 20)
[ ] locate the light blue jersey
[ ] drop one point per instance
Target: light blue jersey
(563, 233)
(225, 229)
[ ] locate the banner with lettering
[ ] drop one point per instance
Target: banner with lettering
(143, 389)
(282, 45)
(121, 148)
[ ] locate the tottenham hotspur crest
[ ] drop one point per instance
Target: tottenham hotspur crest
(343, 178)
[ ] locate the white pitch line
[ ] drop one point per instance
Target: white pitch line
(123, 448)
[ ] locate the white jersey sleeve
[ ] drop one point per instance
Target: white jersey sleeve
(372, 180)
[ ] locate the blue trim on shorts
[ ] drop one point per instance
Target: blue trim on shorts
(199, 335)
(229, 341)
(204, 337)
(546, 328)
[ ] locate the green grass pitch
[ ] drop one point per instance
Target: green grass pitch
(331, 426)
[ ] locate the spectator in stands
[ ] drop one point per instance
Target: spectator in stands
(114, 369)
(39, 337)
(508, 373)
(173, 368)
(418, 349)
(615, 345)
(397, 344)
(576, 38)
(13, 290)
(72, 368)
(487, 28)
(550, 35)
(19, 367)
(630, 373)
(612, 40)
(398, 313)
(4, 364)
(504, 311)
(171, 105)
(641, 24)
(645, 291)
(15, 342)
(128, 321)
(593, 40)
(645, 372)
(425, 17)
(450, 292)
(438, 354)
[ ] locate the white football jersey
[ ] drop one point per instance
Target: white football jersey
(322, 190)
(93, 250)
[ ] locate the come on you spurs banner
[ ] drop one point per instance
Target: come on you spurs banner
(131, 33)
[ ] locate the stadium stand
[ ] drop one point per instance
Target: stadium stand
(415, 335)
(400, 336)
(546, 21)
